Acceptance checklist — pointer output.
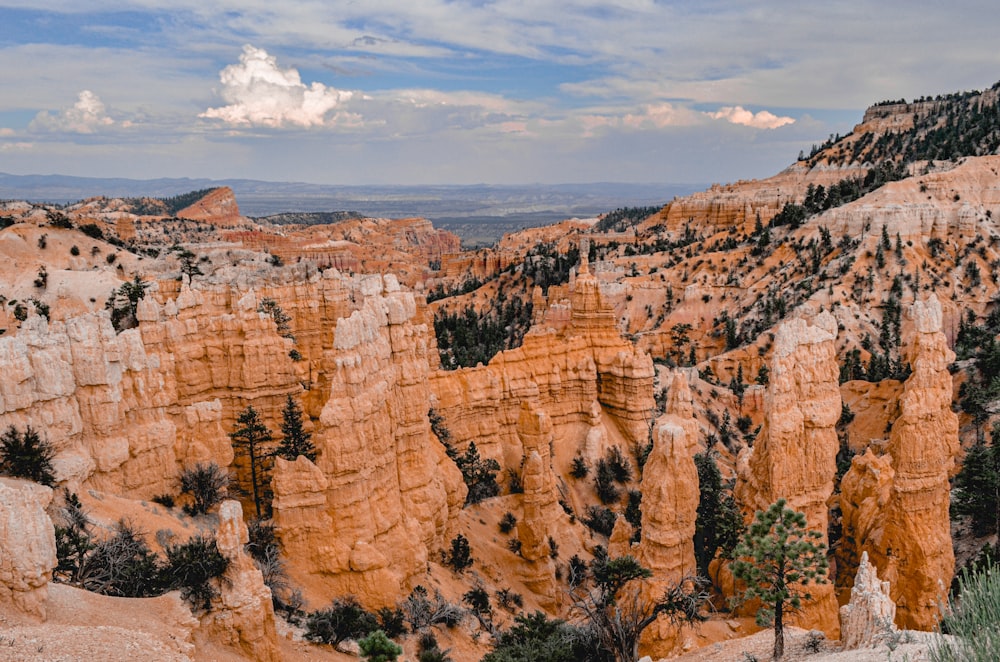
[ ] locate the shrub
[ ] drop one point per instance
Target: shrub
(514, 482)
(620, 467)
(343, 619)
(165, 500)
(73, 538)
(971, 620)
(428, 649)
(604, 483)
(600, 520)
(480, 475)
(122, 565)
(73, 250)
(509, 600)
(191, 565)
(460, 555)
(377, 647)
(392, 621)
(514, 545)
(206, 483)
(580, 468)
(27, 455)
(507, 522)
(92, 230)
(421, 611)
(262, 545)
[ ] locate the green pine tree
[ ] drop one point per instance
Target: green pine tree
(250, 439)
(296, 440)
(776, 559)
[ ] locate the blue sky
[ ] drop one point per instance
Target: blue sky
(461, 92)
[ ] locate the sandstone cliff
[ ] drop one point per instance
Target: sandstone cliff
(387, 488)
(27, 539)
(896, 506)
(794, 456)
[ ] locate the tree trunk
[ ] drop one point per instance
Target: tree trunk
(779, 630)
(253, 478)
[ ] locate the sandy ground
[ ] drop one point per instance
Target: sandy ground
(913, 647)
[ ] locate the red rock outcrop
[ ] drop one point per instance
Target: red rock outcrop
(242, 616)
(28, 541)
(593, 385)
(896, 506)
(540, 511)
(218, 206)
(389, 491)
(669, 511)
(794, 456)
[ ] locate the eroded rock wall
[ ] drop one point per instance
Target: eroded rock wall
(896, 505)
(794, 456)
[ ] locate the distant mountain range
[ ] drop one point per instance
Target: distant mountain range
(454, 203)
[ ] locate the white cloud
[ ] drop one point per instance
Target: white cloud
(760, 120)
(260, 93)
(87, 115)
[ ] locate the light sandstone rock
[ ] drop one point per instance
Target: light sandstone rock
(27, 545)
(868, 620)
(242, 616)
(900, 517)
(794, 456)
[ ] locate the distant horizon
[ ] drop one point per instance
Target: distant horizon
(457, 93)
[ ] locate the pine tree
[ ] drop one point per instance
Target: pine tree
(249, 439)
(977, 485)
(777, 557)
(296, 440)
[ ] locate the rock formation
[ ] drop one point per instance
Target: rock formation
(577, 368)
(28, 544)
(388, 490)
(794, 456)
(541, 514)
(869, 618)
(669, 510)
(241, 616)
(896, 506)
(218, 206)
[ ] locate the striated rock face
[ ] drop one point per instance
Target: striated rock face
(388, 489)
(28, 544)
(669, 506)
(794, 456)
(541, 514)
(900, 517)
(869, 618)
(669, 510)
(242, 616)
(592, 384)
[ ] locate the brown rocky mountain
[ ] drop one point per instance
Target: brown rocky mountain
(546, 406)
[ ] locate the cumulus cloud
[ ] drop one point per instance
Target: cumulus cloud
(759, 120)
(260, 93)
(87, 115)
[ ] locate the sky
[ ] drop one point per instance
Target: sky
(464, 91)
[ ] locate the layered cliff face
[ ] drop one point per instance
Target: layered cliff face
(896, 506)
(794, 456)
(593, 385)
(381, 495)
(27, 539)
